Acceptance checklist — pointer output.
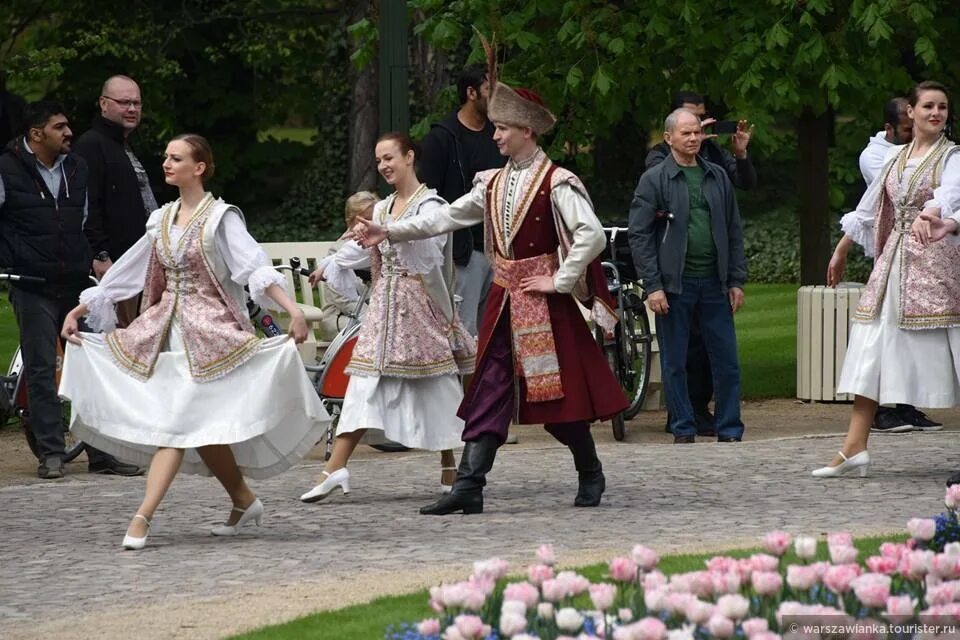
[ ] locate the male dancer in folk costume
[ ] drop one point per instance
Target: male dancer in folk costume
(536, 360)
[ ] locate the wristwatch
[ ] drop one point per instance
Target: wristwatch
(102, 256)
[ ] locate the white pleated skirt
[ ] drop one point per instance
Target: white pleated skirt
(266, 409)
(893, 365)
(420, 413)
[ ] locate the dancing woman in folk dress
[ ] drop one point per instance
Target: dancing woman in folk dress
(412, 346)
(188, 384)
(905, 338)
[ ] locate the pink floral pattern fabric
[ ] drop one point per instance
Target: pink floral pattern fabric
(929, 276)
(217, 336)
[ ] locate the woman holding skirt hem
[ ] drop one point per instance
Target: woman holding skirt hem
(188, 385)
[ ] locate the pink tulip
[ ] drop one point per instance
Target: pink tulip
(514, 606)
(553, 590)
(777, 542)
(698, 611)
(602, 595)
(764, 562)
(723, 563)
(941, 594)
(428, 627)
(952, 498)
(872, 589)
(512, 624)
(892, 550)
(569, 619)
(754, 626)
(766, 583)
(728, 582)
(649, 629)
(653, 580)
(492, 568)
(545, 554)
(720, 627)
(802, 577)
(916, 564)
(701, 584)
(645, 557)
(805, 547)
(655, 599)
(946, 566)
(839, 539)
(839, 578)
(840, 554)
(922, 528)
(733, 606)
(471, 627)
(900, 608)
(821, 568)
(474, 599)
(678, 602)
(545, 611)
(623, 569)
(537, 573)
(525, 592)
(625, 615)
(882, 564)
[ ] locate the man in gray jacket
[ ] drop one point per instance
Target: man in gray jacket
(688, 249)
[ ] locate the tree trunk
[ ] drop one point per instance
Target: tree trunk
(813, 137)
(363, 117)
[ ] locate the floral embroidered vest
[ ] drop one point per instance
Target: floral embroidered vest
(186, 282)
(929, 283)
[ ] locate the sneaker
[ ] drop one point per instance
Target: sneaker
(50, 468)
(684, 439)
(112, 466)
(917, 418)
(889, 420)
(706, 425)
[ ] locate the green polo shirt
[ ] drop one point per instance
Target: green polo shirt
(701, 259)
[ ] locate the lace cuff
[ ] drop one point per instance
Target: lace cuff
(421, 256)
(342, 280)
(860, 231)
(258, 283)
(101, 312)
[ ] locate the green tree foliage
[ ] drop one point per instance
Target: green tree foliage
(227, 69)
(787, 65)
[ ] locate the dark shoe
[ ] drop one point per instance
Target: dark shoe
(706, 426)
(684, 439)
(112, 466)
(889, 420)
(468, 503)
(729, 439)
(390, 447)
(50, 468)
(592, 486)
(918, 419)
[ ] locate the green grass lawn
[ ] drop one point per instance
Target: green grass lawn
(767, 341)
(370, 620)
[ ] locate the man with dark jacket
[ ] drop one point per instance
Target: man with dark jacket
(687, 246)
(121, 199)
(739, 168)
(43, 203)
(453, 151)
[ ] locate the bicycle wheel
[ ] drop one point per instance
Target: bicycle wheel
(638, 345)
(613, 354)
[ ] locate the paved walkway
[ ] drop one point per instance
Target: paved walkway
(60, 556)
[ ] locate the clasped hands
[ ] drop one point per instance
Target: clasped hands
(929, 227)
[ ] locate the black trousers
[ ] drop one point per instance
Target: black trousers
(40, 318)
(699, 378)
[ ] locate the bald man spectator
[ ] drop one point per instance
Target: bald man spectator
(119, 188)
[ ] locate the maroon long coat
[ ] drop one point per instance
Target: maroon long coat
(591, 392)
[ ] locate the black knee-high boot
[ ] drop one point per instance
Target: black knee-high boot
(467, 495)
(579, 440)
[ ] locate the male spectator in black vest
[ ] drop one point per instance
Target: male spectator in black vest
(119, 189)
(739, 168)
(43, 194)
(453, 151)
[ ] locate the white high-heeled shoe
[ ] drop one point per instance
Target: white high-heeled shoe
(339, 478)
(446, 488)
(253, 513)
(860, 462)
(135, 544)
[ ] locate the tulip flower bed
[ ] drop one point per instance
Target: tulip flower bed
(783, 592)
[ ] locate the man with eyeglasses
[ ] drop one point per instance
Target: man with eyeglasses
(119, 188)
